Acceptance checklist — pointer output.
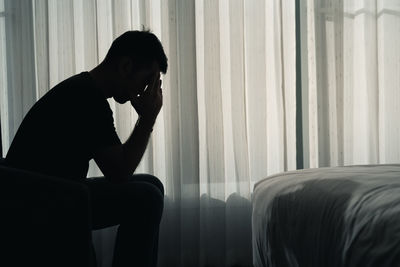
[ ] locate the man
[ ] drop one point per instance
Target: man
(73, 124)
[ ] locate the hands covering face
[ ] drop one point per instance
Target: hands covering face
(148, 104)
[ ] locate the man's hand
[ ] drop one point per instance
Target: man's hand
(149, 103)
(120, 161)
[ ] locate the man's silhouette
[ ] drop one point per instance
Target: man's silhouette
(73, 123)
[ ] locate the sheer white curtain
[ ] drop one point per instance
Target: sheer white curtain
(229, 117)
(229, 113)
(351, 82)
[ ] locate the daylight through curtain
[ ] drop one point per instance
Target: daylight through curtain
(351, 82)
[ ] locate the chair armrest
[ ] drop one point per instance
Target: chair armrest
(44, 220)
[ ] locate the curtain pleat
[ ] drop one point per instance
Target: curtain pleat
(256, 89)
(18, 86)
(4, 107)
(240, 180)
(388, 42)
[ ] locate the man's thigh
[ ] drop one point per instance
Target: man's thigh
(112, 203)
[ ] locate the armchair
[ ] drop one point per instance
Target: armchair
(45, 221)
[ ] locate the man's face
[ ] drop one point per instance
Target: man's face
(134, 83)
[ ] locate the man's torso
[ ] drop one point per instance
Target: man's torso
(63, 130)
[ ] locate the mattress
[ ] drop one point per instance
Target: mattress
(340, 216)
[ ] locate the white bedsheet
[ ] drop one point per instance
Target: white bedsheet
(342, 216)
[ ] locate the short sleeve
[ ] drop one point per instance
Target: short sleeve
(101, 130)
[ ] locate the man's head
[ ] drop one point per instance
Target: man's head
(136, 56)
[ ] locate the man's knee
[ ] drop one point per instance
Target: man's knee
(153, 202)
(148, 178)
(151, 198)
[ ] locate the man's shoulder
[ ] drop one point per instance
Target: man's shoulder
(76, 81)
(75, 89)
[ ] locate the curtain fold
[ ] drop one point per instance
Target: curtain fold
(3, 83)
(16, 54)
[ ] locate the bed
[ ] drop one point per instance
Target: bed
(340, 216)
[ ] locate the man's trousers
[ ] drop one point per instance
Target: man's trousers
(136, 206)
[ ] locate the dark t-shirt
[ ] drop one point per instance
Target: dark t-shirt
(63, 130)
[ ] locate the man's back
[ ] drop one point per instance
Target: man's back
(63, 129)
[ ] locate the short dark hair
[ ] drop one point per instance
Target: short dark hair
(143, 47)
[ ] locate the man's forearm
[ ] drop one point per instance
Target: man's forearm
(136, 144)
